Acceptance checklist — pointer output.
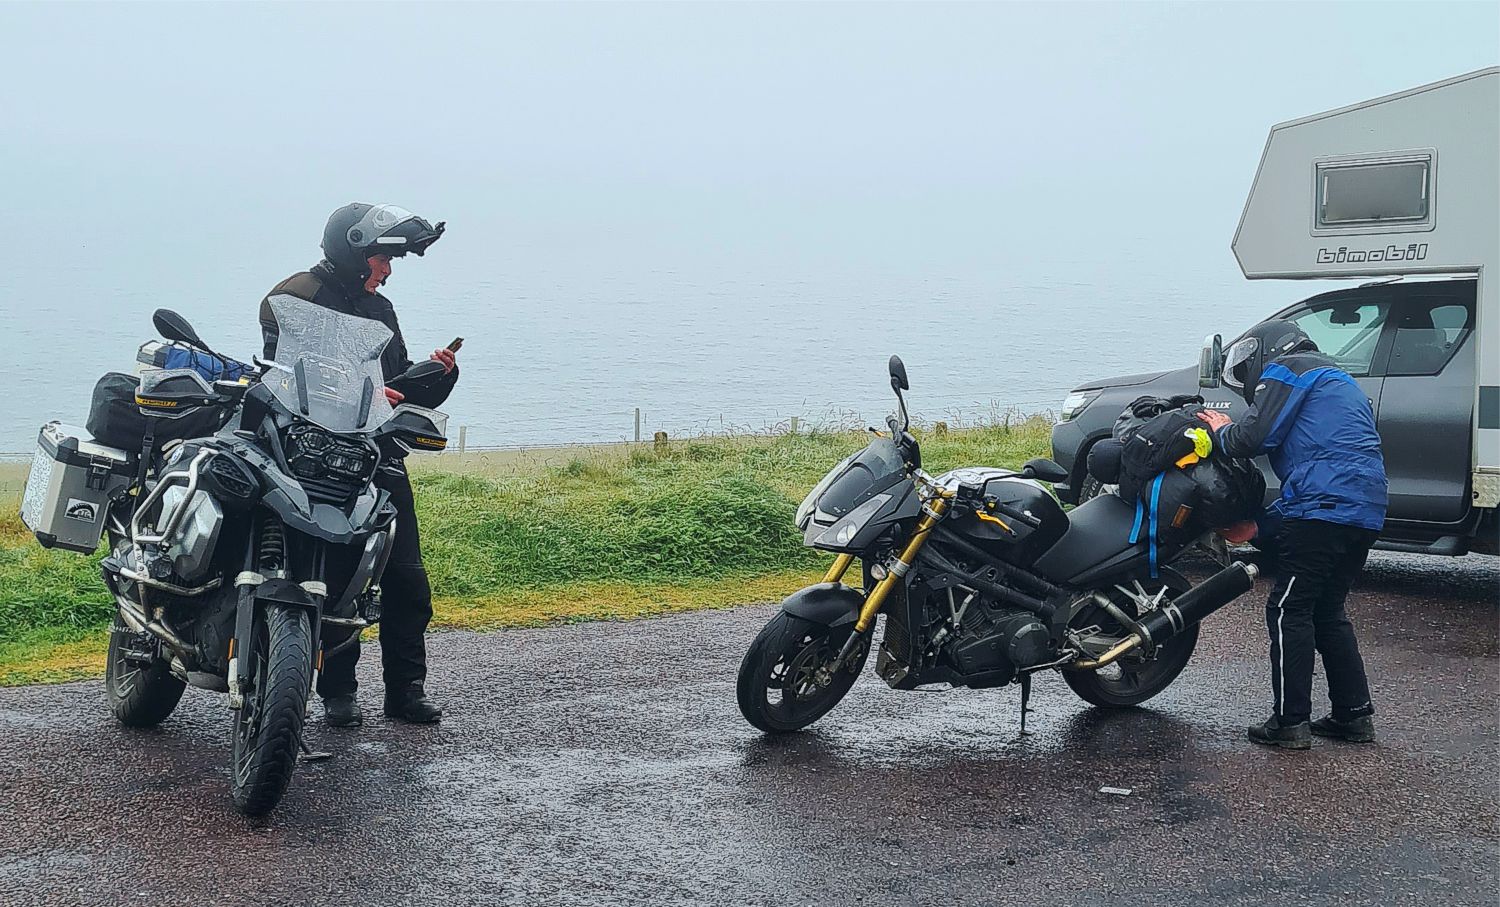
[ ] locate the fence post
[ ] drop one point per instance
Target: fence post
(795, 420)
(463, 437)
(637, 425)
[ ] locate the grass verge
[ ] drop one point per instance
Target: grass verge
(608, 534)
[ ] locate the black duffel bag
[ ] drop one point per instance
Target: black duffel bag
(116, 420)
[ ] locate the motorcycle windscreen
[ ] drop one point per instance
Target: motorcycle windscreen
(327, 366)
(868, 473)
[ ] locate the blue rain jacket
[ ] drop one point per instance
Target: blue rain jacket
(1317, 427)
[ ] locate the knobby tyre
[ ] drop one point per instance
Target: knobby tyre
(268, 727)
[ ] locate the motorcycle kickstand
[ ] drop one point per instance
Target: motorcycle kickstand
(1025, 702)
(310, 755)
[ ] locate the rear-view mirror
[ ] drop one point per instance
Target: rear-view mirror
(423, 371)
(1211, 362)
(175, 328)
(1044, 469)
(420, 376)
(898, 374)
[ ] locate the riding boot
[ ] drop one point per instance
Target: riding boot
(410, 704)
(342, 711)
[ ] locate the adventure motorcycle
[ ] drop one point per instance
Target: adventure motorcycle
(245, 557)
(983, 579)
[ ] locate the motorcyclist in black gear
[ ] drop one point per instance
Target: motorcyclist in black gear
(358, 244)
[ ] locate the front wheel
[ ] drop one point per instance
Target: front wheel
(268, 726)
(1134, 678)
(786, 681)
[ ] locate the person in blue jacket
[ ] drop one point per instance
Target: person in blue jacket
(1317, 426)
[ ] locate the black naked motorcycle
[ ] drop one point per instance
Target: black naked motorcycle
(247, 556)
(983, 579)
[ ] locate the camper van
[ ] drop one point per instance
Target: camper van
(1404, 192)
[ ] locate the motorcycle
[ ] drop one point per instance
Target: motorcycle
(245, 558)
(984, 581)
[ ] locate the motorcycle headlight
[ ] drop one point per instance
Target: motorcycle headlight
(843, 532)
(314, 454)
(1077, 402)
(809, 503)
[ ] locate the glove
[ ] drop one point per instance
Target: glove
(1203, 445)
(446, 357)
(394, 396)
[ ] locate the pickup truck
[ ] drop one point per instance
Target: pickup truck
(1399, 191)
(1411, 346)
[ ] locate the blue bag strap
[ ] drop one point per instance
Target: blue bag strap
(1140, 517)
(1155, 503)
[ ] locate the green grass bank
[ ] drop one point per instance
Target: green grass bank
(532, 538)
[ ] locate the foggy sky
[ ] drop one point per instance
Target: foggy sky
(197, 148)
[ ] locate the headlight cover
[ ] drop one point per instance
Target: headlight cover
(840, 534)
(1076, 403)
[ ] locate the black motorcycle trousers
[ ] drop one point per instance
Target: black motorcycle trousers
(406, 606)
(1318, 562)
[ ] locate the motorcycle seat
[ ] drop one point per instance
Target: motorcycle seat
(1098, 535)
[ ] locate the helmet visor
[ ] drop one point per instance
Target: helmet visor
(1237, 360)
(392, 230)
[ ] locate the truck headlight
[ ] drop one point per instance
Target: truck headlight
(1077, 402)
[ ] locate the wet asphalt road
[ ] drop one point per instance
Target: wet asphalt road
(607, 763)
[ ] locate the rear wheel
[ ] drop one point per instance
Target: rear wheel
(138, 685)
(786, 681)
(268, 726)
(1134, 678)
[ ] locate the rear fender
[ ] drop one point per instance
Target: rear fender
(827, 604)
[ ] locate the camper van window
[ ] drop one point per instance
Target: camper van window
(1346, 332)
(1373, 193)
(1428, 334)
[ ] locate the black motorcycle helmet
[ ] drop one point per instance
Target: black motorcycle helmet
(358, 231)
(1248, 357)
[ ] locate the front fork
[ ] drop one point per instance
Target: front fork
(932, 514)
(839, 568)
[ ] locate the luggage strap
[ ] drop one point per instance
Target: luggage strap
(1141, 516)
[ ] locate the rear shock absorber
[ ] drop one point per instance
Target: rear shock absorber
(271, 558)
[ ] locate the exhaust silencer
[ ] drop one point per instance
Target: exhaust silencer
(1188, 610)
(1198, 602)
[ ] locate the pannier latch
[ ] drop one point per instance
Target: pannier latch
(98, 478)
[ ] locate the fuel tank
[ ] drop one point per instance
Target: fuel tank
(1017, 519)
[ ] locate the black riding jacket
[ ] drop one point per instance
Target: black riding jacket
(322, 286)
